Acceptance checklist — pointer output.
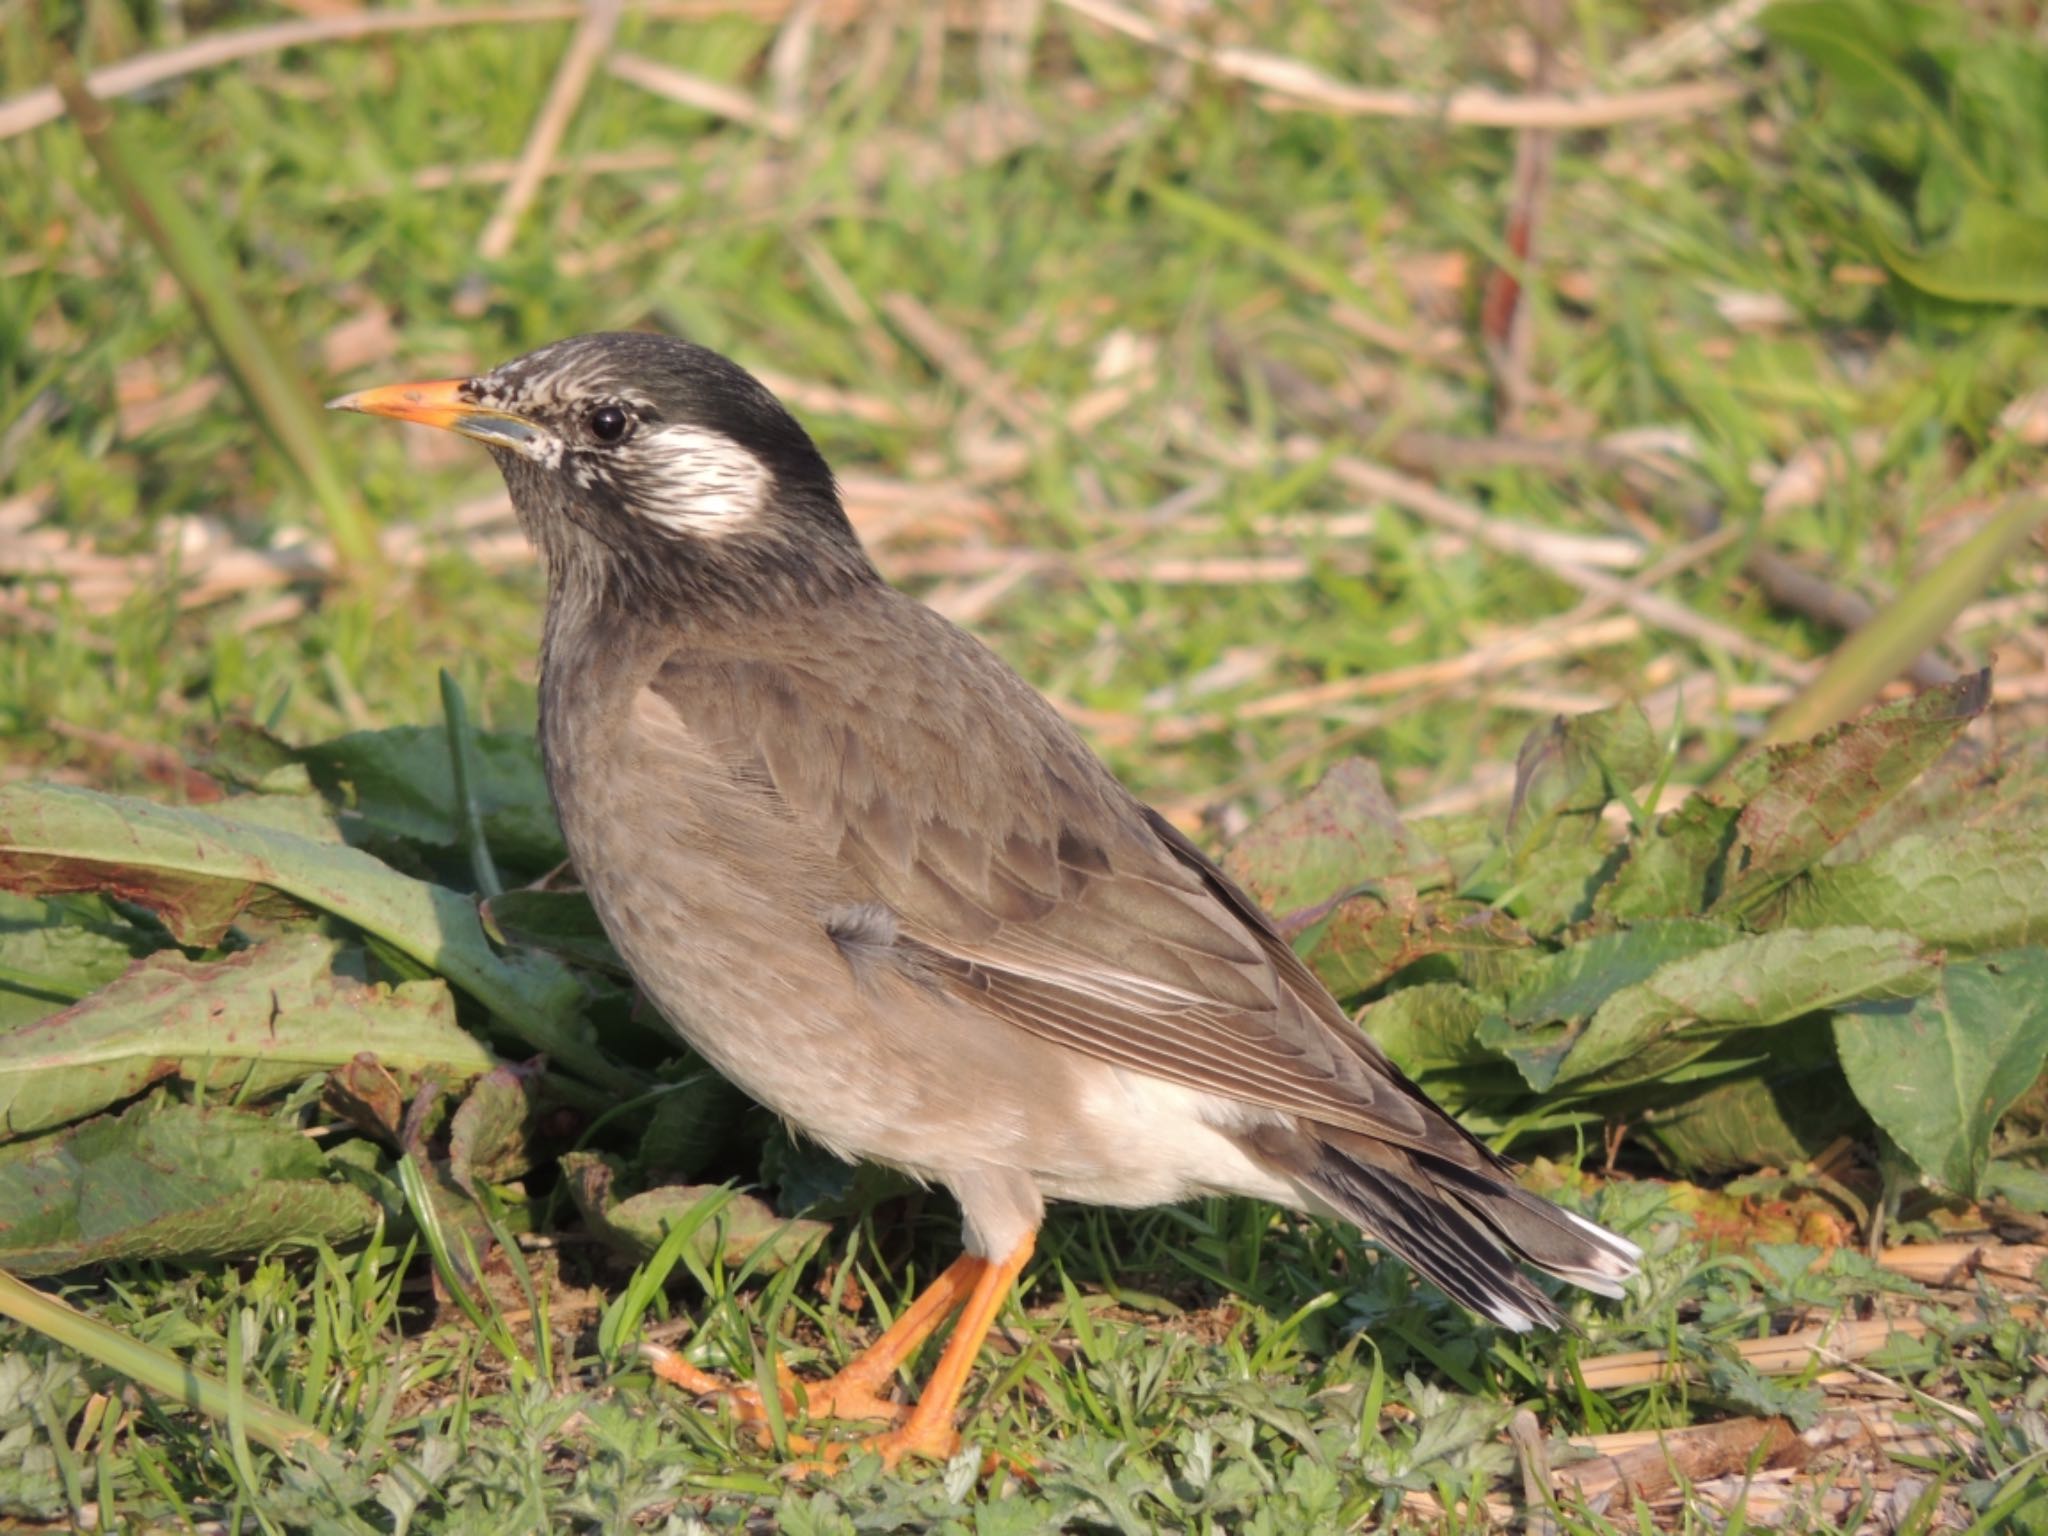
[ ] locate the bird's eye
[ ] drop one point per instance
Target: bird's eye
(608, 423)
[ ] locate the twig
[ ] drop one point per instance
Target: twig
(789, 60)
(1699, 40)
(1534, 1461)
(1504, 319)
(710, 96)
(1662, 1459)
(485, 173)
(1787, 1354)
(592, 37)
(951, 353)
(34, 108)
(1470, 106)
(1955, 1265)
(1873, 655)
(1510, 539)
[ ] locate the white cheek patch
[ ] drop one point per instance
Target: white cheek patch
(693, 481)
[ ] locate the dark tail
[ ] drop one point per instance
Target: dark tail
(1461, 1222)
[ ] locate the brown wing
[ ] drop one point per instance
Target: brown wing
(1022, 874)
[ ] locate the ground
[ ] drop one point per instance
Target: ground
(1261, 419)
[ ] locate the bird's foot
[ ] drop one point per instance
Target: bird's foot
(933, 1440)
(848, 1395)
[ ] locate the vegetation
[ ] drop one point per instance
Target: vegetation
(1449, 502)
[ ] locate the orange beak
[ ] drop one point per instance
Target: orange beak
(441, 403)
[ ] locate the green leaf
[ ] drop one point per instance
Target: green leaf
(689, 1126)
(1365, 939)
(174, 1182)
(1429, 1028)
(1569, 769)
(1992, 254)
(1576, 980)
(562, 922)
(1815, 792)
(1776, 811)
(247, 756)
(1937, 1071)
(204, 870)
(1784, 1112)
(51, 955)
(1678, 1014)
(490, 1139)
(1854, 43)
(401, 782)
(1341, 836)
(744, 1229)
(1673, 869)
(254, 1022)
(1566, 988)
(2020, 1185)
(1738, 1383)
(1971, 889)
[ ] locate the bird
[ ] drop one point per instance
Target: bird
(872, 876)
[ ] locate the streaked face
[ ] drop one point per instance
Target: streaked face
(662, 445)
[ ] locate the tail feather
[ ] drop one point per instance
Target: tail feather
(1458, 1220)
(1543, 1233)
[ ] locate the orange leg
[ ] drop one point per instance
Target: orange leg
(855, 1393)
(929, 1431)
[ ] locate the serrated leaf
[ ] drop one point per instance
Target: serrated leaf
(1342, 835)
(1971, 889)
(634, 1226)
(1430, 1027)
(1937, 1071)
(1815, 792)
(1680, 1012)
(57, 838)
(174, 1182)
(1571, 767)
(1674, 868)
(690, 1126)
(401, 782)
(490, 1138)
(1734, 1380)
(1364, 939)
(1777, 811)
(246, 1025)
(1576, 980)
(1547, 1006)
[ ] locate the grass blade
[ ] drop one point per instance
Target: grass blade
(1884, 648)
(156, 1369)
(275, 391)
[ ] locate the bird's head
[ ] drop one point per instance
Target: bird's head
(650, 472)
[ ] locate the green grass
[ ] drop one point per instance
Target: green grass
(1210, 1368)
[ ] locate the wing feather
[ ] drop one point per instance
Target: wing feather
(1025, 878)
